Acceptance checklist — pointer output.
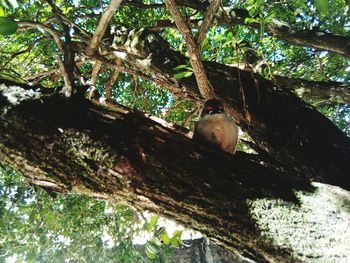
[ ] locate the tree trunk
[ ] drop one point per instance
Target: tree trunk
(72, 145)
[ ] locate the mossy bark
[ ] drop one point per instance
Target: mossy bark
(74, 146)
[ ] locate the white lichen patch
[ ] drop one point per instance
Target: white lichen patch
(16, 94)
(317, 230)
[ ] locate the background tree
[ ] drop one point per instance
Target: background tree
(252, 55)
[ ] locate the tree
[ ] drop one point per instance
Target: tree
(116, 153)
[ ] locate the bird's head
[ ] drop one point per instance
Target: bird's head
(212, 106)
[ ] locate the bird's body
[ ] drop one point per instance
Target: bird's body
(215, 129)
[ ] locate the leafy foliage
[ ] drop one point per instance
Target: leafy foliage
(38, 228)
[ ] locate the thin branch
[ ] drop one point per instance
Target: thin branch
(213, 8)
(95, 71)
(102, 26)
(23, 25)
(65, 20)
(28, 49)
(204, 86)
(66, 77)
(112, 79)
(66, 66)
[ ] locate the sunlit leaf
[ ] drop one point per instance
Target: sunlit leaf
(180, 67)
(9, 4)
(164, 237)
(175, 239)
(7, 26)
(8, 75)
(322, 5)
(153, 222)
(150, 254)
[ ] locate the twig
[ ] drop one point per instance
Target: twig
(204, 86)
(65, 20)
(28, 49)
(95, 71)
(53, 32)
(213, 8)
(112, 79)
(102, 26)
(194, 112)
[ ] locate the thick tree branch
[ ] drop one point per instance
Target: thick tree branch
(102, 26)
(307, 38)
(333, 92)
(284, 127)
(67, 77)
(203, 84)
(74, 146)
(213, 8)
(124, 156)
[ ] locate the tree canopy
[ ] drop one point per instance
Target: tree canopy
(98, 98)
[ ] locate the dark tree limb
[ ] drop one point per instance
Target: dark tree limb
(202, 30)
(281, 125)
(332, 91)
(102, 26)
(307, 38)
(71, 145)
(204, 86)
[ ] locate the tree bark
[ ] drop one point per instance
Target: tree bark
(324, 91)
(69, 145)
(292, 133)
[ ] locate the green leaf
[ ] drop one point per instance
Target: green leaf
(150, 254)
(322, 6)
(7, 26)
(4, 74)
(164, 237)
(2, 11)
(176, 238)
(188, 74)
(9, 4)
(151, 250)
(152, 223)
(155, 241)
(180, 67)
(183, 74)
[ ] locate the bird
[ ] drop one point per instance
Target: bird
(215, 129)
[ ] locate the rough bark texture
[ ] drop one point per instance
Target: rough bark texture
(287, 130)
(72, 145)
(324, 91)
